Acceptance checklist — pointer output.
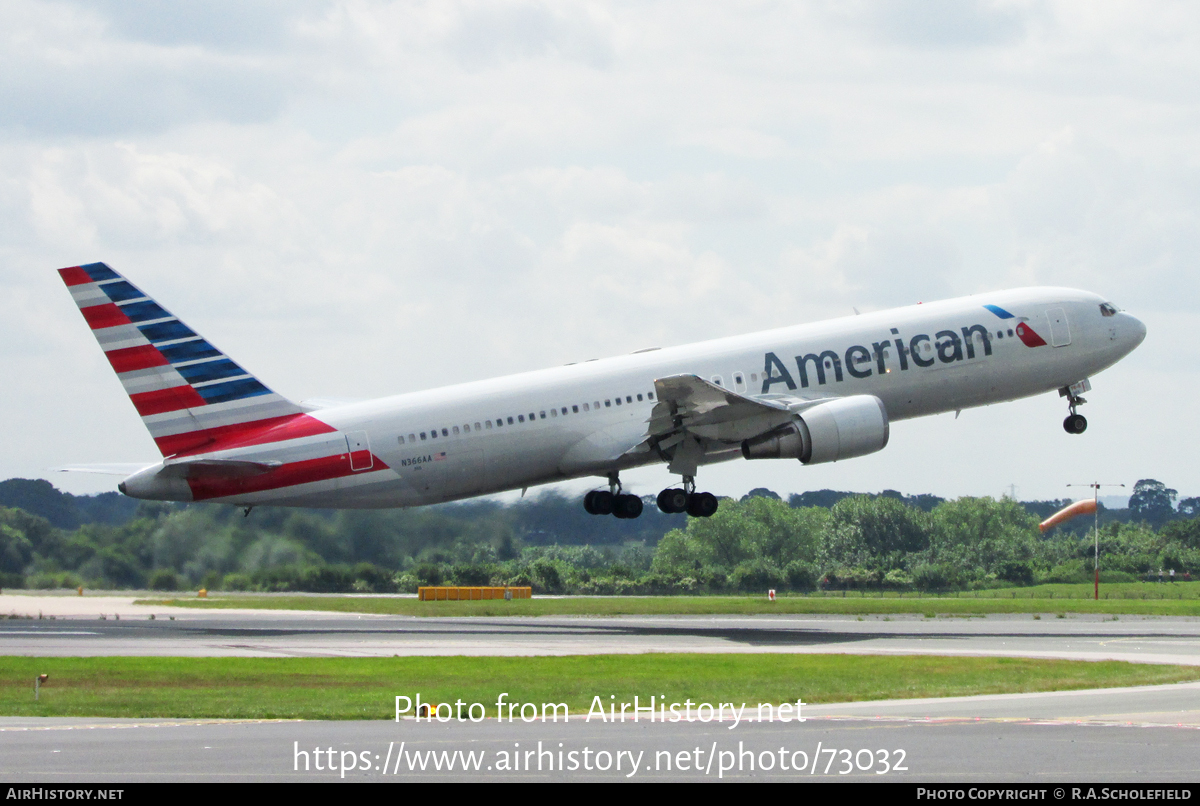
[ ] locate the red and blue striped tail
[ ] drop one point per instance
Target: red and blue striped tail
(191, 396)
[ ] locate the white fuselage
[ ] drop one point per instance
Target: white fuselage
(578, 420)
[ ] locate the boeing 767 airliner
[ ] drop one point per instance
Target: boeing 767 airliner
(815, 393)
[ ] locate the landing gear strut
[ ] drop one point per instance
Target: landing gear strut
(1075, 423)
(613, 501)
(673, 501)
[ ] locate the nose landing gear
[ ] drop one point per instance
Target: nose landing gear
(1075, 423)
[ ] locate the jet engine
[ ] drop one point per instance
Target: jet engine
(838, 429)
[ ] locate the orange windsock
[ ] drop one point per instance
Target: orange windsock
(1085, 507)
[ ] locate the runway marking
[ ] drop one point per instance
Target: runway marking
(36, 631)
(196, 723)
(1007, 720)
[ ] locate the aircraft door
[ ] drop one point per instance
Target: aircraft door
(359, 448)
(1060, 331)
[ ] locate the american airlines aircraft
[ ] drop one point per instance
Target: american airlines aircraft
(814, 393)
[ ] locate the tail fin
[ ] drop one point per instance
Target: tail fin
(190, 395)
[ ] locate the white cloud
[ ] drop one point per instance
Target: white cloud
(939, 23)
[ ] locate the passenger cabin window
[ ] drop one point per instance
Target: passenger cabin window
(433, 434)
(575, 409)
(607, 404)
(400, 439)
(422, 436)
(618, 401)
(629, 398)
(531, 417)
(412, 437)
(510, 420)
(456, 429)
(554, 412)
(588, 408)
(520, 418)
(445, 433)
(649, 395)
(542, 414)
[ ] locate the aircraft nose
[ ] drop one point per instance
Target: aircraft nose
(1134, 330)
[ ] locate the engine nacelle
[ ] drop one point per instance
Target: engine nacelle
(840, 429)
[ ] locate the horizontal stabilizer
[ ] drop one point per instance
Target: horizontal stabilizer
(318, 403)
(111, 469)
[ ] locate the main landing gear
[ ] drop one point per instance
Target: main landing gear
(612, 501)
(699, 505)
(671, 501)
(1075, 423)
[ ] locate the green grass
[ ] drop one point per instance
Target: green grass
(1134, 598)
(365, 688)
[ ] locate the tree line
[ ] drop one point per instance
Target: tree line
(817, 539)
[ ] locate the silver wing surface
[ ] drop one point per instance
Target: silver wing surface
(696, 421)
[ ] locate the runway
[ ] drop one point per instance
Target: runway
(1117, 735)
(1148, 734)
(114, 626)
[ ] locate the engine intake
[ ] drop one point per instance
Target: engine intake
(840, 429)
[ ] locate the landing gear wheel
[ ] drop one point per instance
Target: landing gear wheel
(702, 505)
(1075, 424)
(598, 502)
(627, 506)
(672, 502)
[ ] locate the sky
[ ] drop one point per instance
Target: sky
(356, 199)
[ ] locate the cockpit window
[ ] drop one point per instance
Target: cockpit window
(1107, 309)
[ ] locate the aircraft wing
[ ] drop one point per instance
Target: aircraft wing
(694, 417)
(691, 418)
